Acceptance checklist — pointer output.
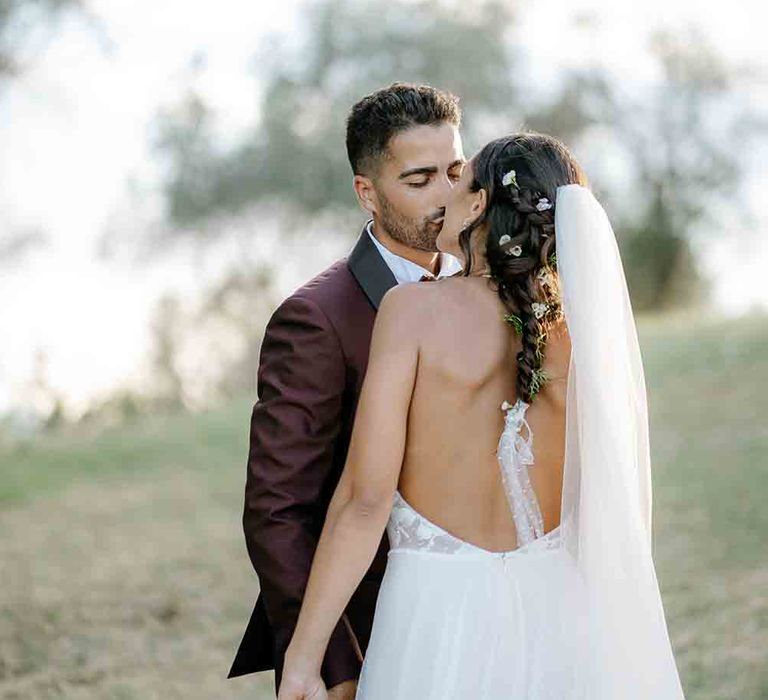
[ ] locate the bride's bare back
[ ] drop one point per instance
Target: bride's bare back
(466, 369)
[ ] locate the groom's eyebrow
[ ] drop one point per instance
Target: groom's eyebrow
(428, 169)
(423, 170)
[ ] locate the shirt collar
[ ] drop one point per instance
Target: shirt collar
(406, 270)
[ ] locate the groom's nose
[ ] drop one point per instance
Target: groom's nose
(443, 190)
(438, 192)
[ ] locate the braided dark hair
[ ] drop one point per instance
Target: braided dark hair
(520, 247)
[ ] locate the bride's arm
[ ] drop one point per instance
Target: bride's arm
(360, 507)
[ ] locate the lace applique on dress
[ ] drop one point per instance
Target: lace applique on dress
(409, 529)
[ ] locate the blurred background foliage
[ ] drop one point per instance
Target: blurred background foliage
(680, 142)
(667, 156)
(24, 26)
(667, 160)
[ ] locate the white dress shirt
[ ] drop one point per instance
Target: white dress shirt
(405, 270)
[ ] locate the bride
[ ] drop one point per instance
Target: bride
(502, 440)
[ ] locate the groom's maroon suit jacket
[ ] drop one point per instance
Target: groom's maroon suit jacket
(311, 367)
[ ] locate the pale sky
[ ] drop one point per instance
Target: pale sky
(76, 128)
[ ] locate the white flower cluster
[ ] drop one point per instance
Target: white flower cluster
(516, 250)
(510, 178)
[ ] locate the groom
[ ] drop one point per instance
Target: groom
(405, 151)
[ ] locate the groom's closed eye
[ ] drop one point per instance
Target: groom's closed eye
(423, 174)
(454, 173)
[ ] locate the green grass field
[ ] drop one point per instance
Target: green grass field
(124, 571)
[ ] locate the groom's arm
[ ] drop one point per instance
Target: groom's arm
(294, 427)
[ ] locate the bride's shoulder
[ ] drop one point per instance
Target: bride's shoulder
(405, 299)
(406, 306)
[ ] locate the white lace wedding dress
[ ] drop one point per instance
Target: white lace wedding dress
(570, 614)
(454, 620)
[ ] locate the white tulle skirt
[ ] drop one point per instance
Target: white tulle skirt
(477, 625)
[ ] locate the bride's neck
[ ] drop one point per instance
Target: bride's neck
(479, 270)
(479, 261)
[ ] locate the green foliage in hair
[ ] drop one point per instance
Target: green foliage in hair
(538, 378)
(515, 321)
(553, 260)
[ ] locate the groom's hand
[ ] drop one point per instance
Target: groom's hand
(343, 691)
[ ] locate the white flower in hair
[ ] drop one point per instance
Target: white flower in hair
(539, 309)
(506, 238)
(543, 204)
(510, 178)
(516, 251)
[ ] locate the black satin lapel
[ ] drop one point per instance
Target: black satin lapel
(370, 270)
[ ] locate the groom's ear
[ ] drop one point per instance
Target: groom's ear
(366, 193)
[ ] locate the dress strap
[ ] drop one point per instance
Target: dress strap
(515, 455)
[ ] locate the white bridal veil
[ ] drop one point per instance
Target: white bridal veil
(606, 503)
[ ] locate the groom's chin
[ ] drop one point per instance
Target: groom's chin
(431, 240)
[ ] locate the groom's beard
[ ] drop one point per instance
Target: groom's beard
(415, 233)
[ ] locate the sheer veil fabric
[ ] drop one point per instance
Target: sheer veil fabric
(606, 501)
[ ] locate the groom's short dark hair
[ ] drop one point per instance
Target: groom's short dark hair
(375, 119)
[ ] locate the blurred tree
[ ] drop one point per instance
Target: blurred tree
(167, 331)
(16, 244)
(296, 154)
(294, 159)
(676, 136)
(686, 142)
(220, 326)
(239, 298)
(46, 400)
(24, 25)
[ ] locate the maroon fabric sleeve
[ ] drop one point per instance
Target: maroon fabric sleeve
(294, 426)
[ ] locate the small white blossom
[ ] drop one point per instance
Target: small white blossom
(543, 275)
(506, 405)
(539, 309)
(543, 204)
(506, 238)
(510, 178)
(516, 251)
